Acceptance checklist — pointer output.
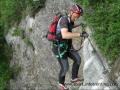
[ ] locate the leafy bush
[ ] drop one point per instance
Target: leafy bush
(104, 17)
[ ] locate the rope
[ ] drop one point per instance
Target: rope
(105, 70)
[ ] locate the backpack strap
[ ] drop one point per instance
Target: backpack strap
(58, 29)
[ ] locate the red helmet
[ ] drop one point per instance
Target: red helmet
(76, 9)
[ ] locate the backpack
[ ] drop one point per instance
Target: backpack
(51, 34)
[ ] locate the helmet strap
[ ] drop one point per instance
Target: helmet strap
(70, 15)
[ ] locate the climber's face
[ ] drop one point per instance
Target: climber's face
(74, 16)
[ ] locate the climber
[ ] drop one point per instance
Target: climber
(63, 48)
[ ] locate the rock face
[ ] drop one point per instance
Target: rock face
(95, 69)
(115, 72)
(32, 52)
(38, 66)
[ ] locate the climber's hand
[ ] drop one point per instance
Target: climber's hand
(84, 34)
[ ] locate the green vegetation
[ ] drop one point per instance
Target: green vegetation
(104, 17)
(5, 71)
(28, 42)
(5, 55)
(30, 30)
(11, 12)
(18, 32)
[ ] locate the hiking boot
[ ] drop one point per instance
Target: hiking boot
(76, 80)
(63, 87)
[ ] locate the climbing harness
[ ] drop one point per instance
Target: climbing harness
(61, 48)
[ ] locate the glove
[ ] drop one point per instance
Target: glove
(84, 34)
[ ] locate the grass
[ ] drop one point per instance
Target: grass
(18, 32)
